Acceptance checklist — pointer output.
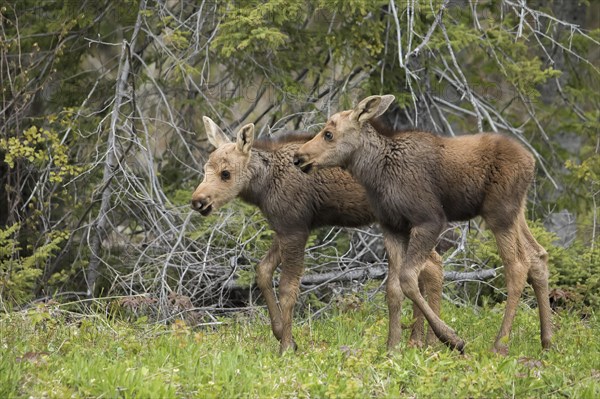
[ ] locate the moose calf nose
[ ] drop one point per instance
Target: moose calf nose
(199, 202)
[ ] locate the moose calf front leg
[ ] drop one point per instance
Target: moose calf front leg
(264, 280)
(421, 243)
(394, 291)
(292, 253)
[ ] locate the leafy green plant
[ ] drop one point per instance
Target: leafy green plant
(19, 272)
(43, 149)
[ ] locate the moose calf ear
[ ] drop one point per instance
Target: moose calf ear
(245, 138)
(386, 101)
(214, 133)
(371, 107)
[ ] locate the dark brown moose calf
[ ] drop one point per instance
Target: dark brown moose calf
(416, 182)
(261, 172)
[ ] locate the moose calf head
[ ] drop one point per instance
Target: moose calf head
(340, 137)
(225, 172)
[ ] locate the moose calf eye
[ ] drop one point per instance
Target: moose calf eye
(328, 136)
(225, 175)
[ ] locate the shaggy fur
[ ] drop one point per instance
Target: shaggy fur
(417, 182)
(261, 173)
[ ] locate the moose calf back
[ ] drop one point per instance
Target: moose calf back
(485, 174)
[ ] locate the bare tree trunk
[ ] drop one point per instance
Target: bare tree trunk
(99, 227)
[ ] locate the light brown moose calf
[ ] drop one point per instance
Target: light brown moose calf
(261, 172)
(416, 182)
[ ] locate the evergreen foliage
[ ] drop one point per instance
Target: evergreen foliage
(101, 145)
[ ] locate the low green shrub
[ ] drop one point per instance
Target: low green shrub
(574, 270)
(20, 269)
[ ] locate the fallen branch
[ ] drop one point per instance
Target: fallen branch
(372, 273)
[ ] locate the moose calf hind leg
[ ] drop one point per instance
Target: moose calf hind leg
(539, 282)
(538, 278)
(435, 277)
(417, 329)
(515, 271)
(430, 284)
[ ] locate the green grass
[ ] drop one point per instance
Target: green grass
(50, 353)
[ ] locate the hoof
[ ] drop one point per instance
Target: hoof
(459, 346)
(415, 343)
(391, 349)
(288, 348)
(501, 350)
(546, 344)
(454, 342)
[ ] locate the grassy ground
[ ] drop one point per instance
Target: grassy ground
(49, 353)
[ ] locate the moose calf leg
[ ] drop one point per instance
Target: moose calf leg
(538, 278)
(394, 293)
(511, 251)
(264, 279)
(421, 243)
(292, 253)
(431, 282)
(417, 328)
